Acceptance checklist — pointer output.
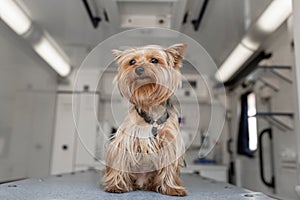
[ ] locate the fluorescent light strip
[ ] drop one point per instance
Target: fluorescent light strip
(19, 22)
(276, 13)
(52, 56)
(272, 18)
(237, 58)
(14, 16)
(250, 43)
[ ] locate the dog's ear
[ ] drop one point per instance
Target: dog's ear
(117, 54)
(175, 54)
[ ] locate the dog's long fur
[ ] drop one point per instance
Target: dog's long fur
(135, 158)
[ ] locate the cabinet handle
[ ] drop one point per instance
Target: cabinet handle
(270, 183)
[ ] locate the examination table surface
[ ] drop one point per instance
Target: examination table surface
(84, 185)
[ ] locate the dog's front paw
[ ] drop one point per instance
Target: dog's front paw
(114, 189)
(178, 192)
(175, 192)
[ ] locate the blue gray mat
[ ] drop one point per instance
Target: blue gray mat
(85, 186)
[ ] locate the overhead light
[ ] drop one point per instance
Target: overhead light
(237, 57)
(14, 16)
(276, 13)
(49, 51)
(18, 21)
(250, 43)
(271, 19)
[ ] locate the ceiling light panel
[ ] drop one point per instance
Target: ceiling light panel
(145, 14)
(14, 16)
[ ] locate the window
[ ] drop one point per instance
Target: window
(252, 122)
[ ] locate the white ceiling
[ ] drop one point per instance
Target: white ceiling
(222, 27)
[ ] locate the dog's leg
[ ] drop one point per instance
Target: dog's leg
(117, 181)
(168, 182)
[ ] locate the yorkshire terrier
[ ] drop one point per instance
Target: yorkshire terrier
(147, 151)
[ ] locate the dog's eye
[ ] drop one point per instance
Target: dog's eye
(154, 60)
(132, 62)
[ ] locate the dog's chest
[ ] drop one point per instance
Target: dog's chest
(146, 152)
(141, 132)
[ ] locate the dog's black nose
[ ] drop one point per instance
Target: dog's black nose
(139, 70)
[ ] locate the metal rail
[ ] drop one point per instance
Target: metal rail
(94, 19)
(196, 22)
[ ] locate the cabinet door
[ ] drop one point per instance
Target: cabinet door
(64, 135)
(87, 131)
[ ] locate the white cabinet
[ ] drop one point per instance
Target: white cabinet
(86, 131)
(215, 172)
(64, 136)
(73, 148)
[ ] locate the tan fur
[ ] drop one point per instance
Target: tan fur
(135, 158)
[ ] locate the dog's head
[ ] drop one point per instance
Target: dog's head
(150, 74)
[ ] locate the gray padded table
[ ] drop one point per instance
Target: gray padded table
(84, 185)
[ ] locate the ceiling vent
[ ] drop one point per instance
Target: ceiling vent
(146, 13)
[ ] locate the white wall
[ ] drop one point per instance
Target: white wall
(296, 34)
(27, 102)
(284, 101)
(279, 44)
